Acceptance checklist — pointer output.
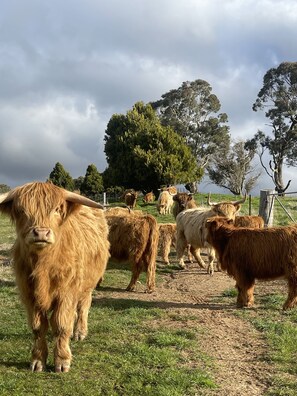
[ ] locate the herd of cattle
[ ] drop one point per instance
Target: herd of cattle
(64, 242)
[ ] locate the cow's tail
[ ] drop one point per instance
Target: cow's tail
(150, 253)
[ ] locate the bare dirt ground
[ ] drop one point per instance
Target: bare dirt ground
(239, 351)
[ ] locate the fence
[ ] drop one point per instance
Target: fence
(278, 209)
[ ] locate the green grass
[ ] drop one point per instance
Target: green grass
(129, 351)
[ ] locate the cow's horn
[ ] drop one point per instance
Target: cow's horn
(209, 202)
(80, 199)
(3, 197)
(240, 201)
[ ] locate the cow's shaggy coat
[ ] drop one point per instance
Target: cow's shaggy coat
(248, 254)
(191, 230)
(60, 254)
(249, 221)
(134, 238)
(167, 239)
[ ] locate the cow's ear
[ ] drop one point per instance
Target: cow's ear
(237, 206)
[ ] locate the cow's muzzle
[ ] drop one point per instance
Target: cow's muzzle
(41, 236)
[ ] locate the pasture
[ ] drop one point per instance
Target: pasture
(185, 339)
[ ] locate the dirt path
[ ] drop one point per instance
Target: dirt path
(238, 349)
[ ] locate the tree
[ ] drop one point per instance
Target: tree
(278, 97)
(92, 185)
(234, 171)
(142, 154)
(60, 177)
(4, 188)
(78, 182)
(192, 111)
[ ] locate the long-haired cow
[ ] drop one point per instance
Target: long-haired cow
(167, 238)
(248, 254)
(191, 229)
(249, 221)
(134, 238)
(60, 254)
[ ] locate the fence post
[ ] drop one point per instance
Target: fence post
(266, 206)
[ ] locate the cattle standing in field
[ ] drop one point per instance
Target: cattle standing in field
(167, 238)
(134, 238)
(131, 199)
(183, 201)
(165, 202)
(149, 197)
(248, 254)
(191, 230)
(249, 221)
(59, 256)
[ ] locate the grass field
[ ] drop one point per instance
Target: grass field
(134, 348)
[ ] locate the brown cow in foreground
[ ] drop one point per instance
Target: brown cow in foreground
(248, 254)
(60, 254)
(134, 238)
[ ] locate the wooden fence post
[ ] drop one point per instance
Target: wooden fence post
(267, 206)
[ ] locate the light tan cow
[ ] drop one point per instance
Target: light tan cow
(59, 256)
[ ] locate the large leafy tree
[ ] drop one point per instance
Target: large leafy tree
(142, 154)
(92, 185)
(278, 98)
(4, 188)
(60, 177)
(234, 171)
(192, 110)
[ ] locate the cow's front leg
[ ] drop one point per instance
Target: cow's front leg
(39, 324)
(62, 322)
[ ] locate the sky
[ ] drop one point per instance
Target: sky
(67, 66)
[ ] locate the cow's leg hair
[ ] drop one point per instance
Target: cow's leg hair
(245, 287)
(291, 301)
(150, 275)
(181, 245)
(166, 250)
(196, 253)
(136, 270)
(189, 254)
(81, 325)
(211, 258)
(62, 323)
(39, 324)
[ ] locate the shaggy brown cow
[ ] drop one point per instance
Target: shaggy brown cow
(249, 221)
(130, 199)
(167, 238)
(191, 230)
(134, 238)
(183, 201)
(149, 197)
(60, 254)
(250, 253)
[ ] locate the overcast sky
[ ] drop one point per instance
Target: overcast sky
(67, 66)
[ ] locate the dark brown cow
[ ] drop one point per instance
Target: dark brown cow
(134, 238)
(183, 201)
(249, 221)
(60, 254)
(131, 199)
(248, 254)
